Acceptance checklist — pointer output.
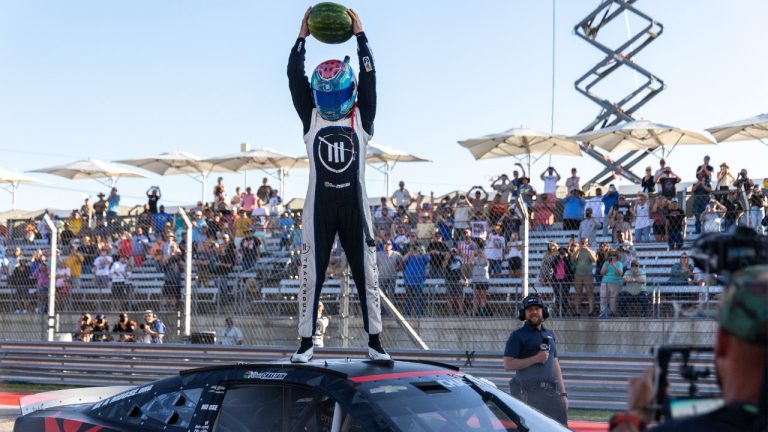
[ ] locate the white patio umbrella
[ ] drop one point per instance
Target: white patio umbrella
(91, 169)
(521, 142)
(178, 162)
(13, 179)
(643, 135)
(388, 157)
(261, 159)
(753, 128)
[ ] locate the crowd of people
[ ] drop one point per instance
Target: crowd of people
(150, 330)
(467, 239)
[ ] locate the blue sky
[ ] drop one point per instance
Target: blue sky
(116, 80)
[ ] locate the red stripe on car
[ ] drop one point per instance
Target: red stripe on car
(368, 378)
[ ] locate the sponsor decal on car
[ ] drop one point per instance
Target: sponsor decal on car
(265, 375)
(387, 389)
(121, 396)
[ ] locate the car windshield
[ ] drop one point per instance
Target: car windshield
(449, 403)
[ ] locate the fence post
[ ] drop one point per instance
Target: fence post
(526, 246)
(344, 330)
(51, 322)
(187, 272)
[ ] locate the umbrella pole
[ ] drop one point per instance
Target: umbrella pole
(281, 177)
(14, 187)
(389, 171)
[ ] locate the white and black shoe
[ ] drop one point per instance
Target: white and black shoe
(376, 351)
(305, 352)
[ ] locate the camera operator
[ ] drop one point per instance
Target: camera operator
(125, 328)
(532, 353)
(85, 328)
(101, 329)
(741, 353)
(153, 329)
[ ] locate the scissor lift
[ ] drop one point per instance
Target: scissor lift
(621, 55)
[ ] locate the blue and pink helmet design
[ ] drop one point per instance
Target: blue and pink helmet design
(334, 88)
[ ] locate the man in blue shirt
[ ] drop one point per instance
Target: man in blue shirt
(414, 274)
(531, 352)
(113, 205)
(573, 210)
(160, 219)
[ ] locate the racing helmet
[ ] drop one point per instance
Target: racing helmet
(334, 88)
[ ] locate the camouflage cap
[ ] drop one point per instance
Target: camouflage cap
(744, 306)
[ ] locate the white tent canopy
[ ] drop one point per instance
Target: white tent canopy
(13, 180)
(643, 135)
(389, 157)
(753, 128)
(91, 169)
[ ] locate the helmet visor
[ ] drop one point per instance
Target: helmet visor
(334, 99)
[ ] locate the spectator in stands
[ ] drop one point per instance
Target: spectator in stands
(757, 204)
(285, 225)
(668, 183)
(455, 283)
(21, 281)
(264, 191)
(622, 229)
(153, 196)
(248, 200)
(382, 205)
(444, 223)
(113, 206)
(479, 226)
(676, 225)
(573, 209)
(609, 200)
(75, 223)
(90, 252)
(572, 182)
(226, 263)
(624, 207)
(734, 209)
(643, 220)
(275, 203)
(562, 279)
(65, 235)
(682, 271)
(659, 174)
(597, 206)
(144, 220)
(321, 326)
(467, 249)
(237, 200)
(480, 282)
(583, 260)
(497, 208)
(75, 263)
(100, 207)
(125, 246)
(389, 262)
(543, 213)
(153, 329)
(160, 219)
(43, 231)
(478, 198)
(547, 268)
(241, 224)
(526, 191)
(250, 250)
(512, 220)
(401, 197)
(438, 256)
(41, 274)
(633, 296)
(384, 220)
(706, 171)
(516, 182)
(102, 264)
(461, 216)
(63, 284)
(701, 191)
(85, 328)
(231, 335)
(86, 210)
(414, 275)
(219, 193)
(724, 181)
(712, 217)
(659, 211)
(648, 182)
(139, 247)
(612, 271)
(550, 177)
(400, 239)
(514, 255)
(120, 272)
(494, 250)
(124, 329)
(503, 186)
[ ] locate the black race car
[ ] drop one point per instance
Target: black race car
(333, 396)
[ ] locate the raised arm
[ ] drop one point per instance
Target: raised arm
(366, 90)
(298, 83)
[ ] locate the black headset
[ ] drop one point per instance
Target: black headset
(533, 299)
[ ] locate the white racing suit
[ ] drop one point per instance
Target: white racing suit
(336, 200)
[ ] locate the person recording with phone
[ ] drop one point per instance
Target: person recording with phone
(531, 352)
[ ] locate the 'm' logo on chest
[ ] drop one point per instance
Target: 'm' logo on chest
(335, 149)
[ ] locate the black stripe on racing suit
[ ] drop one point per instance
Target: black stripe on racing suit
(336, 200)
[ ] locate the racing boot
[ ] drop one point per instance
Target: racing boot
(375, 350)
(305, 352)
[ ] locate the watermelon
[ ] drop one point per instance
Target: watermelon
(330, 23)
